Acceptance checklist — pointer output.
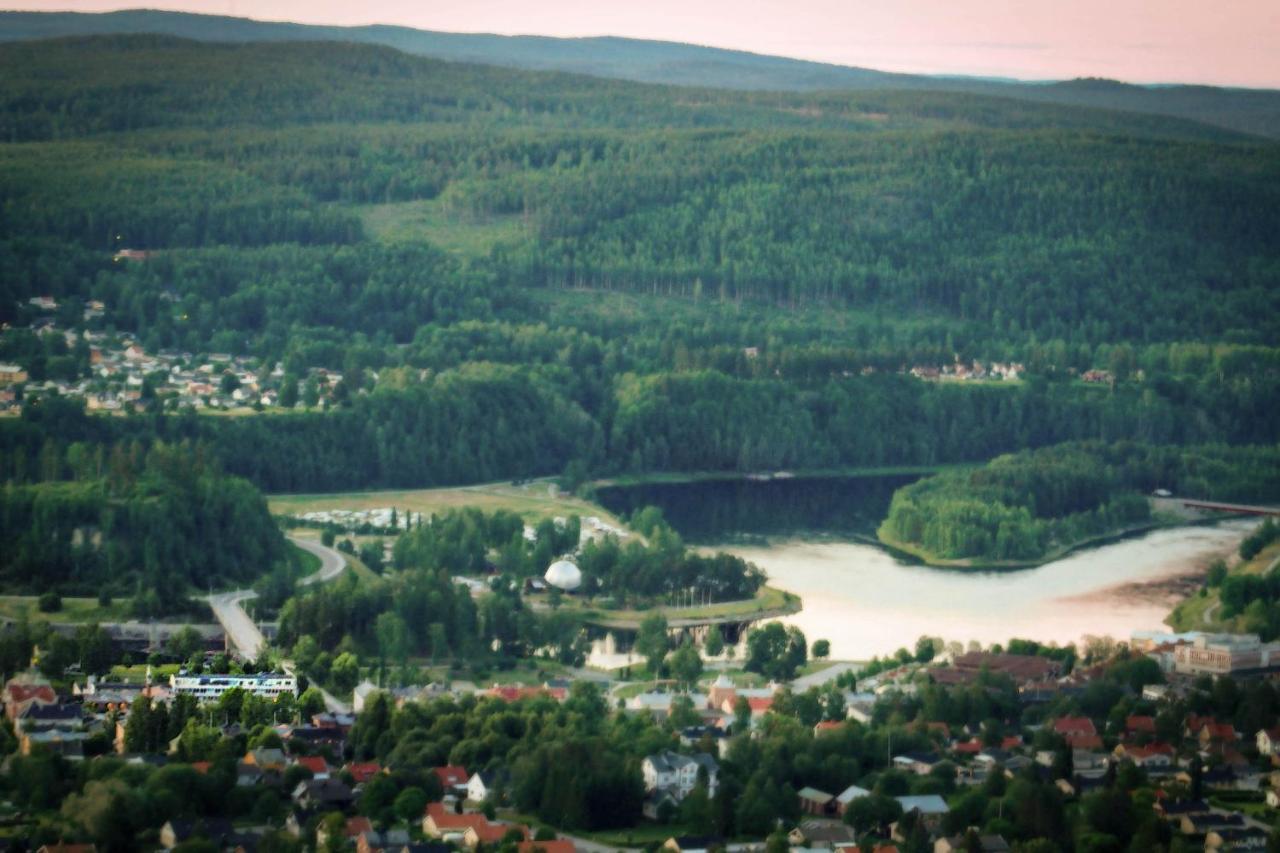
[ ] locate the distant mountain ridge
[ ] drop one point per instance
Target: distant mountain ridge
(1254, 111)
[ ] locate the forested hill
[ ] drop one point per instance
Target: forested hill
(454, 273)
(1250, 111)
(76, 86)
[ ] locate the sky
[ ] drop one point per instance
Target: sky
(1224, 42)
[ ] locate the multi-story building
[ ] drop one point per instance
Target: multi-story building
(1225, 654)
(207, 687)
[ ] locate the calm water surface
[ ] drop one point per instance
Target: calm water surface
(867, 603)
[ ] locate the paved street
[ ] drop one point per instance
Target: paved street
(244, 635)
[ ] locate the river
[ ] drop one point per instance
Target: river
(868, 603)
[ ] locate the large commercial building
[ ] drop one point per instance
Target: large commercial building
(206, 687)
(1225, 654)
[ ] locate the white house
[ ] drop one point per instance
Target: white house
(676, 774)
(1268, 741)
(481, 785)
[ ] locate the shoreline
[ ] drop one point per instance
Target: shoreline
(966, 565)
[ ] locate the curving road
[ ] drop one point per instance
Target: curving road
(244, 634)
(331, 562)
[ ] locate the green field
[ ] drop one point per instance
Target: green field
(417, 221)
(78, 611)
(532, 501)
(767, 600)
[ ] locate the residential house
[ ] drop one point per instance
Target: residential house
(919, 763)
(491, 834)
(482, 785)
(25, 690)
(1151, 756)
(317, 765)
(847, 796)
(362, 772)
(1079, 732)
(815, 802)
(175, 832)
(266, 759)
(328, 794)
(439, 822)
(352, 830)
(1246, 838)
(676, 774)
(393, 839)
(822, 834)
(453, 779)
(1268, 741)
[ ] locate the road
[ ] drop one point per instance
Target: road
(822, 676)
(244, 635)
(331, 562)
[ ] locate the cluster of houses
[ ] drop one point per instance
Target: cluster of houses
(120, 369)
(974, 371)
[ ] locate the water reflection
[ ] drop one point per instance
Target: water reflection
(867, 603)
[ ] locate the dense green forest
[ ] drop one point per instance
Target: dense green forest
(1025, 505)
(1250, 110)
(523, 274)
(151, 524)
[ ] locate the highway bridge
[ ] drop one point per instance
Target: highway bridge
(1235, 509)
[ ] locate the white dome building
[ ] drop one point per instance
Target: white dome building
(563, 575)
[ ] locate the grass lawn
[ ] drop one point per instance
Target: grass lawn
(418, 221)
(767, 599)
(308, 562)
(532, 501)
(636, 836)
(80, 611)
(138, 671)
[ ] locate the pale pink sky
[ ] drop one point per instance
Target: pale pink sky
(1228, 42)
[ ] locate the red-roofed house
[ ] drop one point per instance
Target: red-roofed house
(827, 726)
(452, 778)
(1011, 742)
(490, 834)
(1074, 726)
(1217, 733)
(1084, 741)
(1140, 724)
(759, 704)
(364, 771)
(354, 828)
(317, 765)
(1150, 755)
(23, 692)
(516, 692)
(440, 822)
(201, 766)
(968, 747)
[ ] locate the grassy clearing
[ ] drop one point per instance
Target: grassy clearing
(532, 501)
(138, 672)
(79, 611)
(418, 221)
(766, 600)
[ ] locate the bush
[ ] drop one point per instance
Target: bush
(50, 602)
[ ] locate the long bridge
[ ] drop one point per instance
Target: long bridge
(1237, 509)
